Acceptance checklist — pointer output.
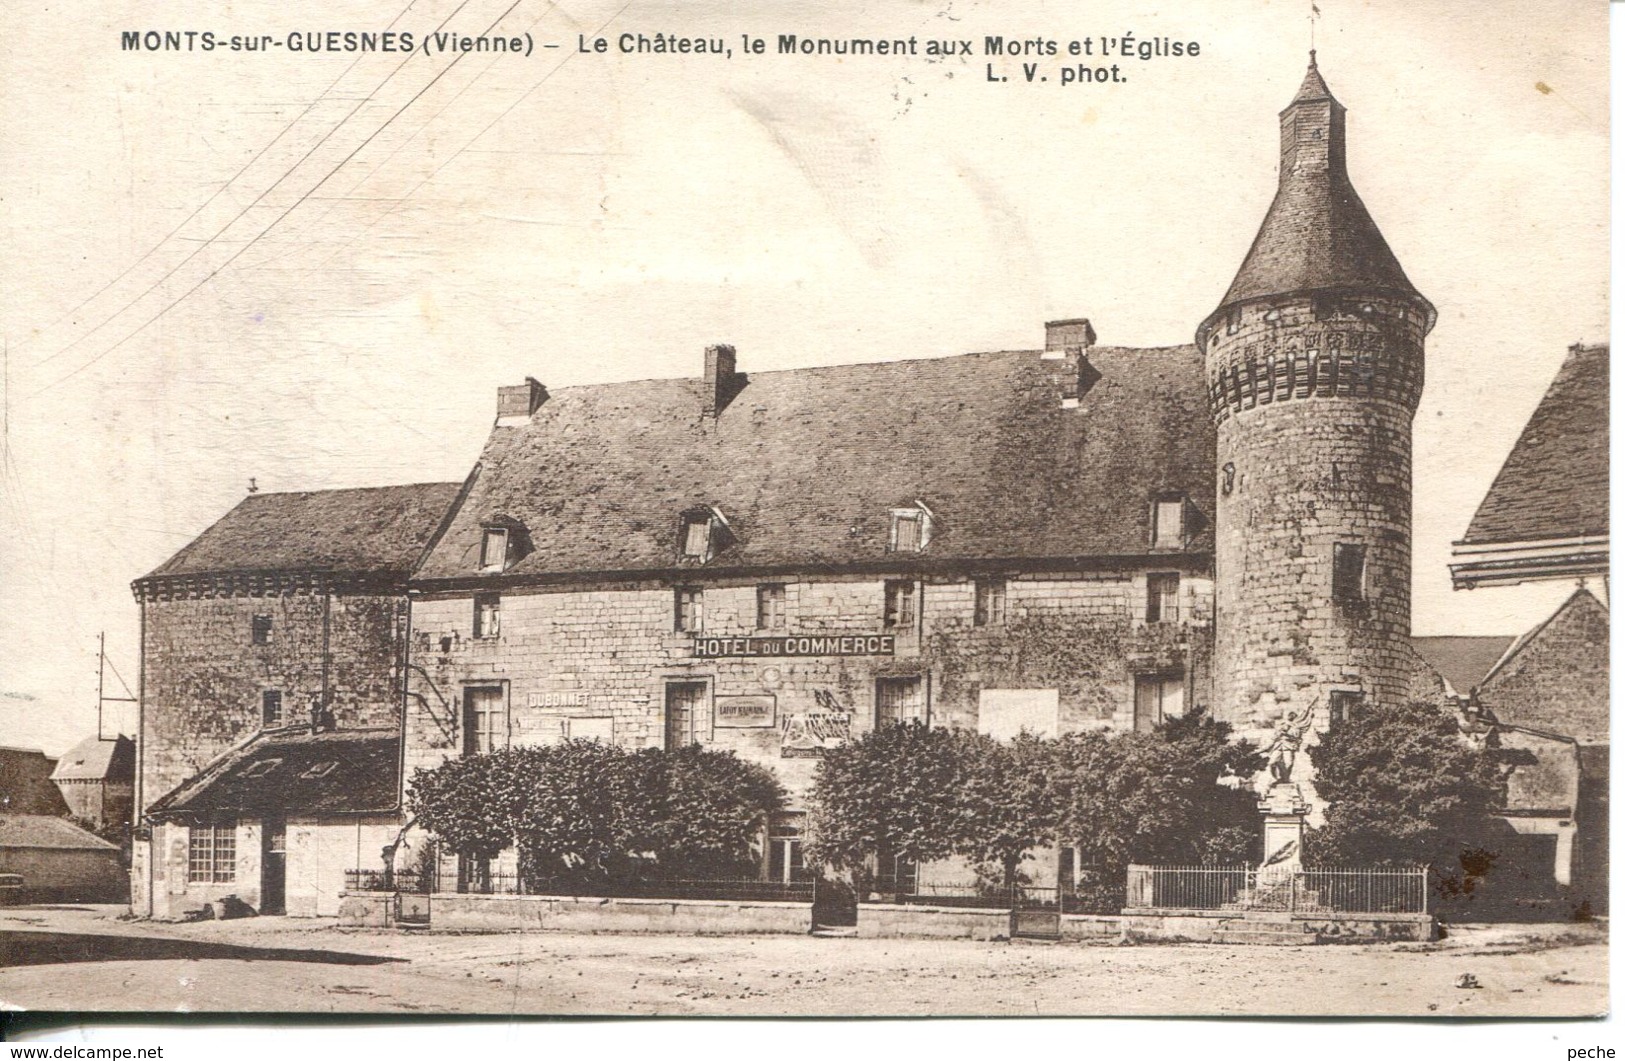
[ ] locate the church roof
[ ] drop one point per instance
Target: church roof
(806, 466)
(369, 531)
(1554, 484)
(1317, 235)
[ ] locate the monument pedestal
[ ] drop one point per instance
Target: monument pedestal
(1285, 811)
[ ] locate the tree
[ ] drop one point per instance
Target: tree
(1174, 795)
(893, 791)
(1403, 787)
(713, 810)
(1007, 800)
(471, 803)
(590, 814)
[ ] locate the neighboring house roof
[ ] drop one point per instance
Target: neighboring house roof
(806, 465)
(1555, 677)
(369, 531)
(1554, 484)
(1461, 661)
(1317, 235)
(25, 783)
(288, 773)
(94, 759)
(43, 831)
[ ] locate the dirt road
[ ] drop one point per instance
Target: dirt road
(83, 958)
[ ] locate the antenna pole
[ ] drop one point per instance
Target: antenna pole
(101, 665)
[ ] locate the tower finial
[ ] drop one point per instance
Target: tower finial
(1314, 15)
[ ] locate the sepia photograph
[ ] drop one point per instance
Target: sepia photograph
(882, 509)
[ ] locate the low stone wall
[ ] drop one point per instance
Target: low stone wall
(888, 921)
(454, 912)
(1195, 926)
(367, 909)
(1091, 927)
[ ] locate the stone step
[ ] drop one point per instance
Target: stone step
(1256, 938)
(835, 931)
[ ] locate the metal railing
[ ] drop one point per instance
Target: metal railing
(1279, 888)
(730, 888)
(978, 896)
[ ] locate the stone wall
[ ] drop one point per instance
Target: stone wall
(203, 676)
(1313, 400)
(598, 660)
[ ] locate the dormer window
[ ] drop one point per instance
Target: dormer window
(703, 533)
(494, 549)
(1168, 522)
(910, 529)
(321, 769)
(262, 768)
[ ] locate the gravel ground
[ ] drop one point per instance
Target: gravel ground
(85, 958)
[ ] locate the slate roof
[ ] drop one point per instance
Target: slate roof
(94, 759)
(370, 531)
(1554, 483)
(43, 831)
(1462, 661)
(365, 777)
(1318, 234)
(806, 464)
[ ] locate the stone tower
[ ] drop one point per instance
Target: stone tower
(1314, 369)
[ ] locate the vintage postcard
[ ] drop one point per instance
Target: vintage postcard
(897, 508)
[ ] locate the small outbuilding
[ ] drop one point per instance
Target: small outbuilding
(60, 862)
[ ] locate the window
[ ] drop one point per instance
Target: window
(1168, 523)
(321, 769)
(683, 700)
(688, 610)
(1348, 572)
(211, 856)
(899, 700)
(696, 538)
(494, 549)
(1343, 703)
(271, 707)
(901, 612)
(1162, 598)
(905, 532)
(1157, 697)
(485, 720)
(260, 630)
(989, 602)
(770, 607)
(487, 615)
(263, 768)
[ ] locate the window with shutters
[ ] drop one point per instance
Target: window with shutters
(696, 537)
(683, 702)
(1162, 598)
(1157, 697)
(485, 720)
(487, 615)
(688, 610)
(910, 529)
(989, 602)
(494, 549)
(899, 700)
(1168, 523)
(770, 607)
(902, 600)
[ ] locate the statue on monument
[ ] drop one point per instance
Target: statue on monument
(1283, 749)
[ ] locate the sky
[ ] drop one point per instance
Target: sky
(314, 271)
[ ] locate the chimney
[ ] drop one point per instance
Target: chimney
(720, 378)
(1064, 337)
(516, 405)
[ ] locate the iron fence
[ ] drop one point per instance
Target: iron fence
(1286, 889)
(979, 895)
(493, 883)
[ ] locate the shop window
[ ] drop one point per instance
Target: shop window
(487, 615)
(899, 700)
(1157, 697)
(212, 853)
(1162, 598)
(989, 602)
(770, 607)
(901, 601)
(271, 708)
(688, 610)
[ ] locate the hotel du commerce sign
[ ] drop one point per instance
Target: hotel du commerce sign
(796, 645)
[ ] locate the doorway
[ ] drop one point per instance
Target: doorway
(273, 866)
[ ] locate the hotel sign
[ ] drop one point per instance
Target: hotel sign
(797, 645)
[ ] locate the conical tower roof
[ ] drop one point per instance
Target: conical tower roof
(1318, 235)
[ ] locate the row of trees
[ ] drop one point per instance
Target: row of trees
(589, 813)
(923, 794)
